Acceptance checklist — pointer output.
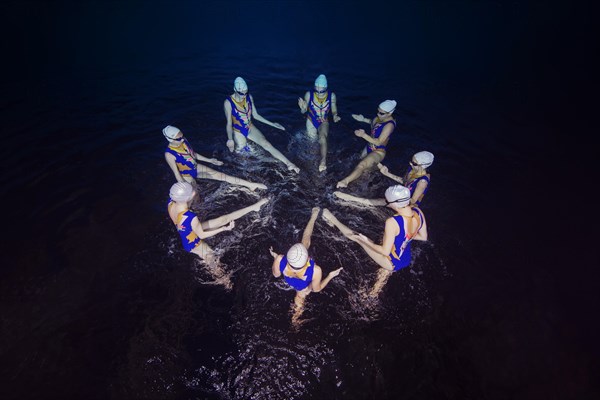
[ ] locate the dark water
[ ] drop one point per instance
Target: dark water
(99, 301)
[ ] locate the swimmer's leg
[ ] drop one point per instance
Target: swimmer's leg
(212, 262)
(309, 227)
(311, 131)
(240, 140)
(372, 159)
(382, 277)
(360, 200)
(205, 172)
(323, 133)
(257, 137)
(299, 306)
(227, 218)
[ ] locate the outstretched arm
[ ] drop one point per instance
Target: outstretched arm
(317, 284)
(213, 161)
(262, 119)
(202, 234)
(391, 230)
(385, 171)
(361, 118)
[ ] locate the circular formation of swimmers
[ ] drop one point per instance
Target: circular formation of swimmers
(298, 269)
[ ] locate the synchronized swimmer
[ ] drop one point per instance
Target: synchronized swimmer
(298, 269)
(317, 105)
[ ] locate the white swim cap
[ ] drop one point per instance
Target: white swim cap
(170, 132)
(321, 81)
(388, 106)
(398, 194)
(423, 158)
(239, 85)
(181, 191)
(297, 256)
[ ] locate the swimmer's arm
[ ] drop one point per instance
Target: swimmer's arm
(213, 161)
(385, 134)
(317, 284)
(334, 110)
(385, 171)
(202, 234)
(391, 230)
(262, 119)
(422, 234)
(361, 118)
(275, 266)
(421, 186)
(171, 161)
(359, 200)
(303, 103)
(228, 126)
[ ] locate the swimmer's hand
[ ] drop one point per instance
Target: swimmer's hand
(359, 117)
(230, 145)
(382, 168)
(273, 254)
(359, 237)
(302, 104)
(229, 226)
(360, 133)
(337, 118)
(278, 126)
(335, 272)
(214, 161)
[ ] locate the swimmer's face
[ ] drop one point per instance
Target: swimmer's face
(178, 138)
(320, 90)
(382, 113)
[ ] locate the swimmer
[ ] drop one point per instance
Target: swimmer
(193, 231)
(416, 180)
(240, 109)
(382, 127)
(394, 253)
(299, 270)
(319, 103)
(183, 161)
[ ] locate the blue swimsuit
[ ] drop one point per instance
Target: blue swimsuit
(186, 164)
(318, 112)
(376, 130)
(189, 239)
(400, 255)
(297, 283)
(241, 118)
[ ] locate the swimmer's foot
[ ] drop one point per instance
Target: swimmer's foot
(315, 211)
(342, 195)
(322, 167)
(292, 167)
(328, 217)
(341, 184)
(254, 186)
(256, 206)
